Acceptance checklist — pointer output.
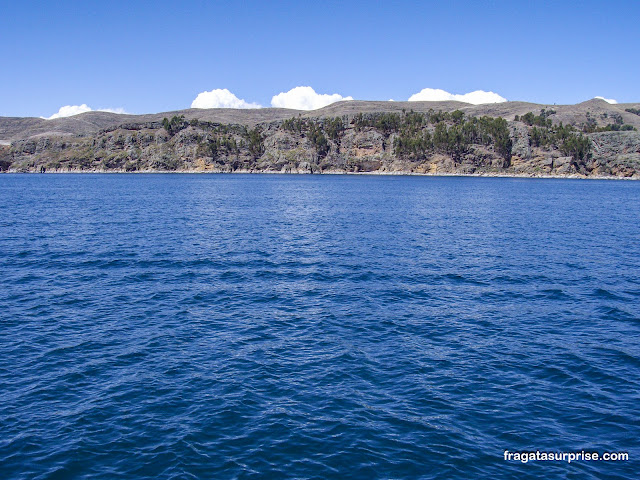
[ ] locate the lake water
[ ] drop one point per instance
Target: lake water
(273, 326)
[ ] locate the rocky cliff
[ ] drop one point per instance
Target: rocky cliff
(591, 139)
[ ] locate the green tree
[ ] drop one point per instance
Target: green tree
(576, 146)
(256, 142)
(174, 125)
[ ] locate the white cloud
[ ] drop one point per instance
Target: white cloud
(476, 97)
(305, 98)
(71, 110)
(608, 100)
(119, 111)
(220, 98)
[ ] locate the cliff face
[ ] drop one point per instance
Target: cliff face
(431, 143)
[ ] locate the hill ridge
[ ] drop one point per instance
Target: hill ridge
(19, 128)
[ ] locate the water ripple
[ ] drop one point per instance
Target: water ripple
(178, 327)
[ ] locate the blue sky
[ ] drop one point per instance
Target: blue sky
(158, 56)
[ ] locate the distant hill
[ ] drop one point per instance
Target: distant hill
(590, 139)
(19, 128)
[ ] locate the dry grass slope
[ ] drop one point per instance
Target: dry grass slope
(18, 128)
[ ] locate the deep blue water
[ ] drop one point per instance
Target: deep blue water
(230, 326)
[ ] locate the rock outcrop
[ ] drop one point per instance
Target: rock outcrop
(435, 142)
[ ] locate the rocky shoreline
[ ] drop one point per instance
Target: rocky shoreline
(375, 173)
(598, 143)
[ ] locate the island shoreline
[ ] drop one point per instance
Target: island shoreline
(386, 174)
